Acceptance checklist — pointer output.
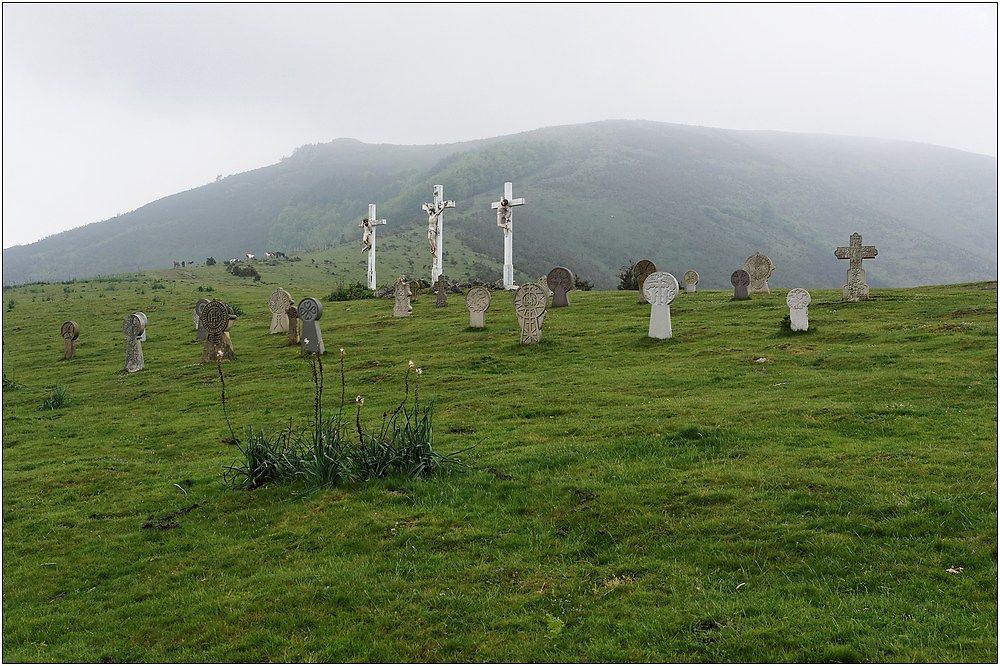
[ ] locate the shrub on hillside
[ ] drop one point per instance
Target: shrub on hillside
(582, 285)
(56, 399)
(210, 261)
(244, 271)
(626, 278)
(351, 292)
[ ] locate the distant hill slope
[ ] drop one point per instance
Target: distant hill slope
(598, 195)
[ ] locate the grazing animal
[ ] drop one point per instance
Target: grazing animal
(250, 257)
(177, 264)
(269, 255)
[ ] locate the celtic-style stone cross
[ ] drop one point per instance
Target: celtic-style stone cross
(741, 283)
(529, 304)
(856, 288)
(505, 220)
(133, 327)
(560, 281)
(478, 302)
(217, 318)
(69, 331)
(435, 230)
(691, 280)
(402, 292)
(798, 308)
(761, 268)
(310, 312)
(660, 290)
(369, 225)
(278, 304)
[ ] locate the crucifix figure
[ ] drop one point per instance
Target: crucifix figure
(856, 288)
(505, 222)
(368, 242)
(435, 229)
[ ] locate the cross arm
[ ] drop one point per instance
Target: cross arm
(869, 251)
(843, 253)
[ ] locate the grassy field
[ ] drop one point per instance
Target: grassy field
(628, 499)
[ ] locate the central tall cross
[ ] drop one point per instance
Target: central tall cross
(369, 225)
(506, 222)
(856, 287)
(435, 230)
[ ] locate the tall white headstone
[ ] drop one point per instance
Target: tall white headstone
(506, 222)
(369, 224)
(435, 230)
(798, 308)
(660, 289)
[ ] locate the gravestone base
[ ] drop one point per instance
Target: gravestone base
(659, 323)
(477, 320)
(800, 319)
(690, 288)
(217, 352)
(279, 323)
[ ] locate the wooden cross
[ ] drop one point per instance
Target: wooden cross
(505, 221)
(435, 213)
(856, 252)
(369, 224)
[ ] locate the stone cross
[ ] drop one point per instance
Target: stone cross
(435, 229)
(69, 331)
(741, 282)
(402, 293)
(505, 220)
(798, 308)
(199, 306)
(560, 281)
(310, 312)
(761, 268)
(217, 318)
(640, 271)
(478, 302)
(691, 279)
(441, 287)
(660, 290)
(133, 327)
(856, 288)
(278, 304)
(369, 224)
(529, 304)
(293, 325)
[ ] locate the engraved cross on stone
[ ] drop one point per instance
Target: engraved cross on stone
(505, 222)
(856, 287)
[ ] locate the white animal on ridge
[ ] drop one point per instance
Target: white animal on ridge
(250, 257)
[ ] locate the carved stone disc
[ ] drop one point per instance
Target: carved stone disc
(310, 309)
(740, 278)
(279, 301)
(70, 330)
(643, 269)
(759, 266)
(559, 278)
(798, 298)
(660, 288)
(691, 277)
(529, 301)
(478, 299)
(215, 318)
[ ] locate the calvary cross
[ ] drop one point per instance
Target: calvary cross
(856, 288)
(505, 221)
(369, 224)
(435, 215)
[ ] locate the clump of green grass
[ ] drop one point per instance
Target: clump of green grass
(9, 384)
(57, 399)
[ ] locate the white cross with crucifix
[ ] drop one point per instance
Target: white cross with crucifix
(435, 230)
(856, 288)
(505, 221)
(369, 225)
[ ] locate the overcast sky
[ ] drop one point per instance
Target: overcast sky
(108, 107)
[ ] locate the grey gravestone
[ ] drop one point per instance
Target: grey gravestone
(856, 287)
(560, 281)
(145, 326)
(402, 293)
(69, 331)
(133, 327)
(741, 283)
(798, 308)
(278, 304)
(199, 306)
(529, 304)
(293, 325)
(691, 279)
(478, 302)
(761, 268)
(640, 271)
(660, 290)
(310, 312)
(441, 287)
(217, 319)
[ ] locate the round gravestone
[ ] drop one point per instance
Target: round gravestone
(478, 299)
(798, 298)
(641, 270)
(134, 325)
(215, 318)
(740, 278)
(691, 277)
(529, 301)
(70, 330)
(310, 309)
(660, 288)
(559, 278)
(279, 301)
(200, 305)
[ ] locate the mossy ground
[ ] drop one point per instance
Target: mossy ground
(630, 499)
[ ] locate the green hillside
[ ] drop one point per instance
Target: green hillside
(628, 499)
(598, 195)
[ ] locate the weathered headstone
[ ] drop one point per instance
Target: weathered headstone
(69, 331)
(402, 293)
(199, 306)
(761, 268)
(293, 325)
(640, 271)
(741, 283)
(441, 287)
(310, 312)
(798, 308)
(217, 318)
(691, 279)
(856, 287)
(660, 290)
(560, 281)
(278, 304)
(529, 304)
(133, 327)
(478, 302)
